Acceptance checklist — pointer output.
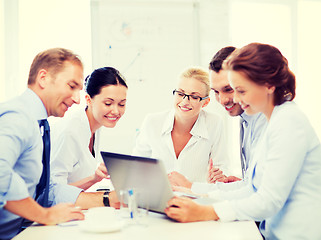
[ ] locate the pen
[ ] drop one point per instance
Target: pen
(131, 203)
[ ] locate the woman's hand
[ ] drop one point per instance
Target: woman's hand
(177, 179)
(184, 209)
(216, 175)
(100, 173)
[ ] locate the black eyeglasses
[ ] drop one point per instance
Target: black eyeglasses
(191, 98)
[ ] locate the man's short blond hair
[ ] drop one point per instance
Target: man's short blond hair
(52, 60)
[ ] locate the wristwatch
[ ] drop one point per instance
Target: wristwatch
(106, 199)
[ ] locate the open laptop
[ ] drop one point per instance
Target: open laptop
(147, 174)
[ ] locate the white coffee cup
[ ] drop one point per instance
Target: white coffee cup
(100, 216)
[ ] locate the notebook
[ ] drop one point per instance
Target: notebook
(147, 174)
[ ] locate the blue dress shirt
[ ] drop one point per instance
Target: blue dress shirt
(21, 158)
(253, 126)
(21, 155)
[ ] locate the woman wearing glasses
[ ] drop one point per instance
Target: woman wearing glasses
(284, 186)
(75, 158)
(186, 137)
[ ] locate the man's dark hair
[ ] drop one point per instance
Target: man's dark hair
(219, 57)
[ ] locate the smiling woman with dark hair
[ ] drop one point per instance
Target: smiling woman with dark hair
(283, 191)
(75, 138)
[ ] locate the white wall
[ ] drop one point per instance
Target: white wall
(150, 44)
(291, 25)
(2, 77)
(43, 24)
(309, 63)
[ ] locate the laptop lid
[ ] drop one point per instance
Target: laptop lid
(146, 174)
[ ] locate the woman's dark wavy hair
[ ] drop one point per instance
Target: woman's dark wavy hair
(265, 65)
(103, 77)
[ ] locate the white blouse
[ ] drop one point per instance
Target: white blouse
(284, 187)
(207, 141)
(71, 159)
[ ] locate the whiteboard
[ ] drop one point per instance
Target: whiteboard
(150, 43)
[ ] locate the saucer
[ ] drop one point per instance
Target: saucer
(100, 228)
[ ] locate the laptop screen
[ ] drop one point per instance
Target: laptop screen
(146, 174)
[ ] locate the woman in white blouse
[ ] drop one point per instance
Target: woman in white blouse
(187, 137)
(284, 187)
(75, 158)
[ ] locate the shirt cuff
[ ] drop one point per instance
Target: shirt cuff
(216, 195)
(63, 193)
(203, 188)
(225, 211)
(58, 178)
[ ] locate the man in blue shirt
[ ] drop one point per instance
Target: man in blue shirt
(251, 126)
(54, 84)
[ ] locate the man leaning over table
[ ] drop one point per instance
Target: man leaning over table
(55, 80)
(253, 126)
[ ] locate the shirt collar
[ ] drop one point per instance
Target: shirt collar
(168, 123)
(78, 113)
(199, 129)
(85, 121)
(246, 118)
(36, 108)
